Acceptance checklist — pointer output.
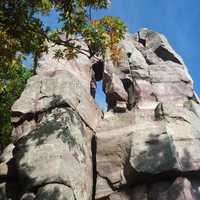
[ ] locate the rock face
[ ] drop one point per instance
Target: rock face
(145, 147)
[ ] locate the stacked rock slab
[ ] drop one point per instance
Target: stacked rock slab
(145, 147)
(54, 122)
(151, 151)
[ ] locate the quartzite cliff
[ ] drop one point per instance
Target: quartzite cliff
(146, 147)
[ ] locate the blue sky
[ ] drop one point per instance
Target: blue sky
(178, 20)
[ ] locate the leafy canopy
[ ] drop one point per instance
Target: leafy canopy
(75, 15)
(20, 33)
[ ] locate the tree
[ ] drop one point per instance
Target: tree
(75, 16)
(14, 82)
(22, 32)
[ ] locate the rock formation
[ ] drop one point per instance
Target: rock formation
(145, 147)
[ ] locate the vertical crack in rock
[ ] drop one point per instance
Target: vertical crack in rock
(141, 40)
(94, 165)
(130, 89)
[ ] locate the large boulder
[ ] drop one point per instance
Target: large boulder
(48, 92)
(159, 137)
(80, 67)
(56, 152)
(158, 44)
(53, 129)
(133, 147)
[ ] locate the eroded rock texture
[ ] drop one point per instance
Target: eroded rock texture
(145, 147)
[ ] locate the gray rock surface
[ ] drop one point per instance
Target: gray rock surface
(55, 191)
(80, 67)
(58, 142)
(48, 92)
(5, 157)
(145, 147)
(160, 135)
(7, 154)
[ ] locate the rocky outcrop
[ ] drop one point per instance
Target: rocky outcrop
(54, 122)
(145, 147)
(158, 137)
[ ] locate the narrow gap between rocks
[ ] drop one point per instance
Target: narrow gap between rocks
(97, 85)
(140, 40)
(129, 88)
(100, 97)
(93, 149)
